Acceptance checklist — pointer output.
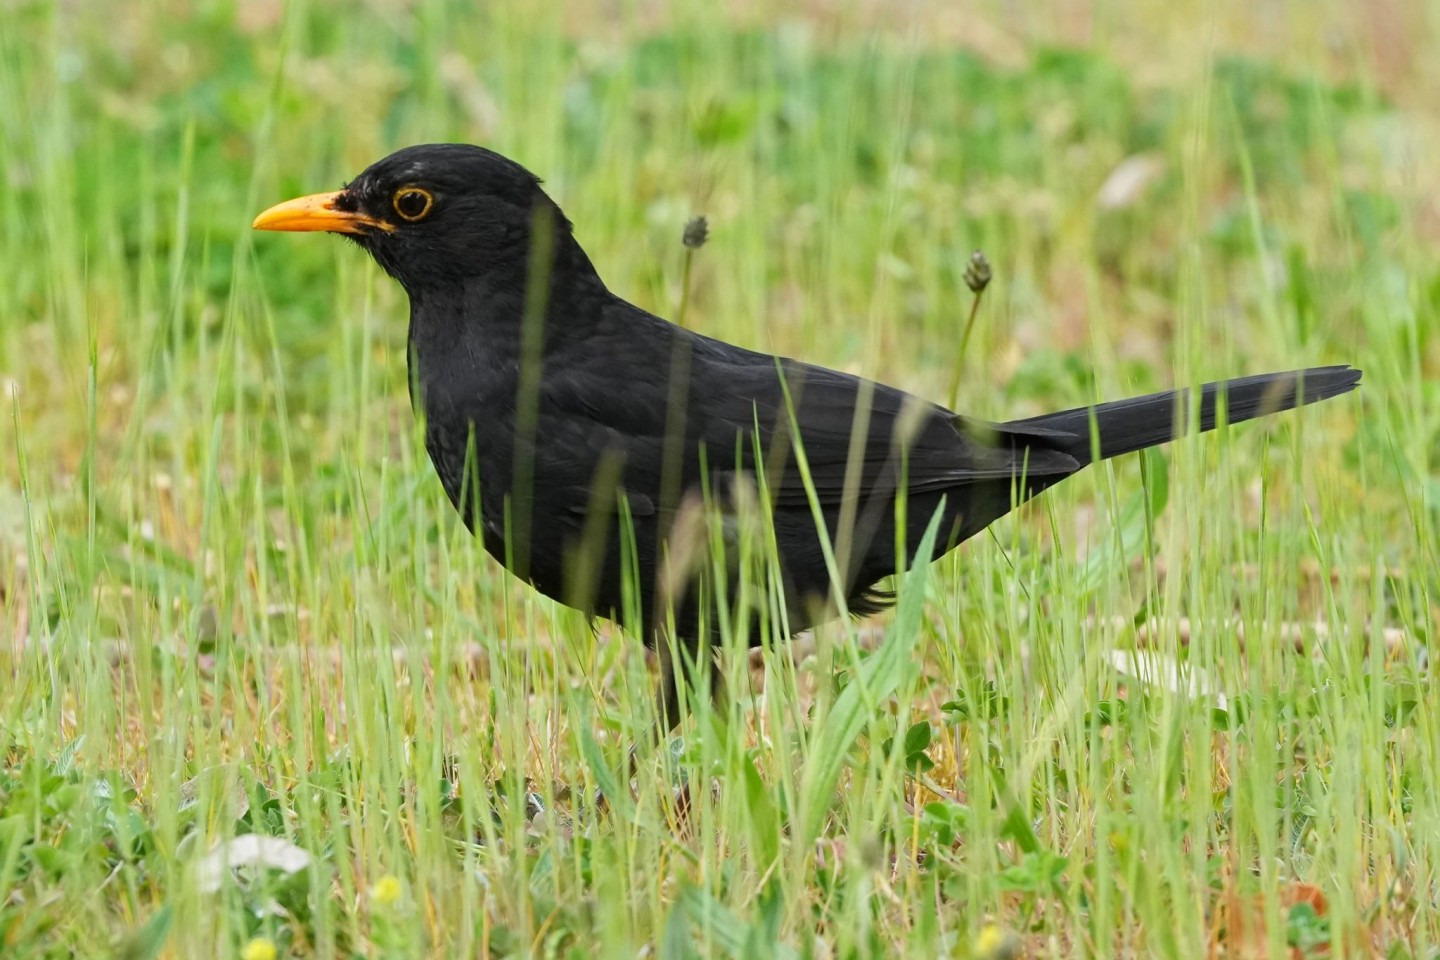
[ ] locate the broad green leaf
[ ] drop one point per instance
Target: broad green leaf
(875, 679)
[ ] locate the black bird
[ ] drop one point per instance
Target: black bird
(575, 432)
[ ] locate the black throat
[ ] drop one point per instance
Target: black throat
(476, 346)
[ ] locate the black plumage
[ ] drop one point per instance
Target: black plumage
(584, 418)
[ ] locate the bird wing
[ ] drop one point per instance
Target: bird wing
(853, 435)
(724, 410)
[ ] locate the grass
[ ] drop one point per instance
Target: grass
(234, 600)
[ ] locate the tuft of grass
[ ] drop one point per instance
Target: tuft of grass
(234, 602)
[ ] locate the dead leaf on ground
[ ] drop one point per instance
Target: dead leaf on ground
(1238, 928)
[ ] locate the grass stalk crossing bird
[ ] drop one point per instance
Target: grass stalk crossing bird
(574, 430)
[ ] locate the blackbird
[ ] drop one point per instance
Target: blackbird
(592, 444)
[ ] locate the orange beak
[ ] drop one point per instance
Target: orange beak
(318, 211)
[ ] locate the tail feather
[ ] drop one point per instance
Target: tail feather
(1124, 426)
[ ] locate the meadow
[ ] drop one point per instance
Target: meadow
(1178, 706)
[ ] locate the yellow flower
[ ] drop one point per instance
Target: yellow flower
(261, 948)
(387, 890)
(994, 942)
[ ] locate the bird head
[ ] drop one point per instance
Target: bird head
(432, 214)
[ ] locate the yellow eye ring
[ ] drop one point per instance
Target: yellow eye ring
(412, 203)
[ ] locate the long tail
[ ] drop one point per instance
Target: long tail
(1124, 426)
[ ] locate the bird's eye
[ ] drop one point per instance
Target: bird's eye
(413, 203)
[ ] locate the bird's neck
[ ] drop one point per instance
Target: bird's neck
(471, 335)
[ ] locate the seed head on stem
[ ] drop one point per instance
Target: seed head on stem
(697, 231)
(977, 278)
